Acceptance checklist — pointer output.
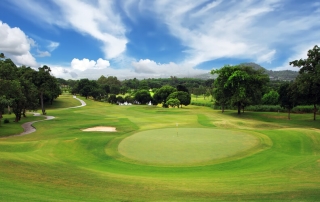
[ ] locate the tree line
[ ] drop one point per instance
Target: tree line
(23, 88)
(242, 85)
(114, 91)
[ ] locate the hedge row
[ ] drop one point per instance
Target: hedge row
(263, 108)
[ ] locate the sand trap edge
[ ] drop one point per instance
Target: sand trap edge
(101, 129)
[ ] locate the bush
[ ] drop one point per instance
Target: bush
(6, 121)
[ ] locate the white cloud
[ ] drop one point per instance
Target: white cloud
(150, 68)
(43, 53)
(215, 29)
(140, 69)
(53, 45)
(16, 45)
(102, 64)
(250, 30)
(95, 18)
(268, 57)
(86, 64)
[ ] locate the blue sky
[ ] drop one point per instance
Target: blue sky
(156, 38)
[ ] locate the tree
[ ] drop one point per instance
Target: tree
(96, 93)
(143, 96)
(44, 83)
(8, 70)
(113, 81)
(309, 77)
(222, 93)
(183, 97)
(14, 94)
(241, 85)
(270, 98)
(85, 87)
(173, 102)
(114, 89)
(120, 99)
(160, 95)
(4, 102)
(105, 88)
(182, 88)
(143, 85)
(128, 99)
(102, 80)
(112, 99)
(287, 97)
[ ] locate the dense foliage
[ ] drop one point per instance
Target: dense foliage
(239, 86)
(23, 88)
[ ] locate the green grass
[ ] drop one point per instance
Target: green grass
(59, 162)
(185, 146)
(63, 101)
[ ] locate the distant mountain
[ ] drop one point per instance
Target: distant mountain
(283, 75)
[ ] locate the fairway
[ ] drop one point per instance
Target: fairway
(210, 156)
(185, 146)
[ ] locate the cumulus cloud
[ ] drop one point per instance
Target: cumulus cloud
(85, 64)
(95, 18)
(16, 45)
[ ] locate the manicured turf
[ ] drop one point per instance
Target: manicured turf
(185, 146)
(59, 162)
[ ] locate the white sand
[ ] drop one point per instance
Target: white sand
(101, 128)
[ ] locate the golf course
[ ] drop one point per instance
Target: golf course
(192, 153)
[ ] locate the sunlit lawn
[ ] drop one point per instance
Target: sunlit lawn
(59, 162)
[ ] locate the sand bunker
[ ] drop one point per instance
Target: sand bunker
(101, 128)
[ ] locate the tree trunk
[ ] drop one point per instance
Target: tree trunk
(239, 108)
(222, 108)
(18, 116)
(9, 110)
(42, 106)
(24, 112)
(242, 109)
(314, 111)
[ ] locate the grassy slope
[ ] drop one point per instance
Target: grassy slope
(60, 162)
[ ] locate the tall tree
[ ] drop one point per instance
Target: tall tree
(309, 77)
(222, 93)
(143, 96)
(4, 102)
(183, 97)
(288, 97)
(242, 85)
(160, 96)
(44, 82)
(14, 93)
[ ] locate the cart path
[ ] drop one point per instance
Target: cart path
(28, 128)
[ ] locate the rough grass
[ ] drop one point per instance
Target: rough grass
(59, 162)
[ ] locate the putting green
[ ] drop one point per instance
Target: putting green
(185, 146)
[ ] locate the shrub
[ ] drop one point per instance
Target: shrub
(6, 121)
